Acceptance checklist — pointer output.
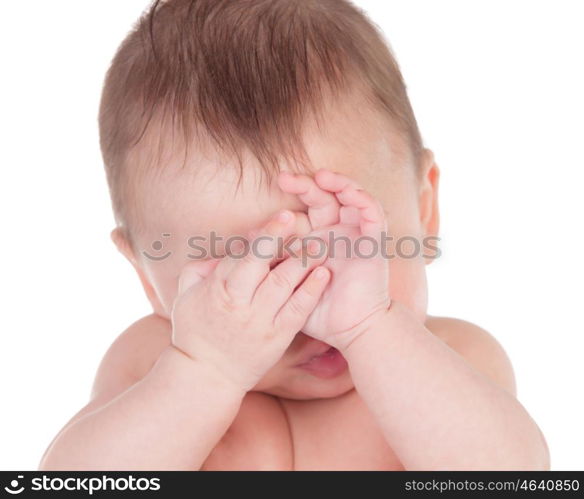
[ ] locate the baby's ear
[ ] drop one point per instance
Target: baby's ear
(429, 210)
(123, 244)
(125, 248)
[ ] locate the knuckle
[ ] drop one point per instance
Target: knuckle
(308, 293)
(226, 300)
(238, 315)
(281, 280)
(271, 333)
(297, 306)
(227, 304)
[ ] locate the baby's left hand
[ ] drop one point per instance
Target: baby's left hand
(359, 288)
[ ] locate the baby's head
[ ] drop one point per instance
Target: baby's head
(207, 100)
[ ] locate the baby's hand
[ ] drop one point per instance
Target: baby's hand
(237, 314)
(359, 287)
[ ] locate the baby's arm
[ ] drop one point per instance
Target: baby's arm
(232, 320)
(441, 405)
(169, 417)
(436, 409)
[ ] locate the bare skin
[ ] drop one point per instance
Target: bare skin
(216, 378)
(271, 433)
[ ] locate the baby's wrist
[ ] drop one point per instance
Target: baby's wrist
(186, 372)
(351, 336)
(380, 323)
(381, 330)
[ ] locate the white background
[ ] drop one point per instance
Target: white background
(498, 91)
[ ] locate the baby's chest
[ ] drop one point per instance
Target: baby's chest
(337, 434)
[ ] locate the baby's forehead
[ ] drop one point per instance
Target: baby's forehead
(209, 191)
(212, 198)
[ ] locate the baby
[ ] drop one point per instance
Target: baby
(272, 192)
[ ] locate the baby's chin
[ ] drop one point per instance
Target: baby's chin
(297, 384)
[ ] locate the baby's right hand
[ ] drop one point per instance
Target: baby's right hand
(237, 315)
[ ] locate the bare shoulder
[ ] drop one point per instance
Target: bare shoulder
(477, 346)
(126, 361)
(131, 355)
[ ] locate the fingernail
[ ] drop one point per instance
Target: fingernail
(284, 216)
(320, 273)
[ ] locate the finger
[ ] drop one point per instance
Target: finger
(236, 251)
(371, 216)
(359, 207)
(249, 271)
(333, 182)
(295, 312)
(302, 226)
(195, 272)
(323, 207)
(283, 279)
(293, 245)
(350, 216)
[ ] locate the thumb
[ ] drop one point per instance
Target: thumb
(195, 272)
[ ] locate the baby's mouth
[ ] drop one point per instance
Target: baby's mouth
(320, 359)
(327, 353)
(326, 365)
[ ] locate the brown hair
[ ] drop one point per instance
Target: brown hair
(244, 74)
